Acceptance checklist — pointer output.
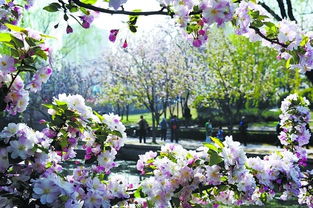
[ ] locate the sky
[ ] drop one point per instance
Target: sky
(145, 23)
(102, 25)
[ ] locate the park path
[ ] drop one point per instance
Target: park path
(261, 149)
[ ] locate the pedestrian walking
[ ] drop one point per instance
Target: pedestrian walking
(208, 131)
(174, 129)
(243, 126)
(143, 127)
(220, 134)
(163, 126)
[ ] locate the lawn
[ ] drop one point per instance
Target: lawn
(134, 118)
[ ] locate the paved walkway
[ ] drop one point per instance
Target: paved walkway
(193, 144)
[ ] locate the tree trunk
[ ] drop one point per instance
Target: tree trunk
(127, 112)
(153, 128)
(177, 105)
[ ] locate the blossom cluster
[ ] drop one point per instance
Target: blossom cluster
(16, 99)
(293, 44)
(31, 46)
(294, 124)
(217, 174)
(35, 159)
(40, 77)
(197, 26)
(305, 195)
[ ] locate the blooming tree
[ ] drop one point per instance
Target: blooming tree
(154, 78)
(220, 173)
(239, 74)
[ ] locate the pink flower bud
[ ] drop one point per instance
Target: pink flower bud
(197, 43)
(125, 44)
(42, 121)
(201, 32)
(86, 24)
(113, 34)
(69, 29)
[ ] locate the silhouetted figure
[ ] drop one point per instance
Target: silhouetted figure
(142, 129)
(243, 126)
(208, 131)
(310, 141)
(163, 126)
(220, 134)
(174, 128)
(278, 130)
(187, 115)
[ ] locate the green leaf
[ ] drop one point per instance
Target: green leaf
(288, 63)
(217, 141)
(41, 54)
(47, 36)
(89, 1)
(138, 193)
(5, 37)
(215, 158)
(15, 28)
(53, 7)
(211, 146)
(60, 103)
(18, 42)
(50, 106)
(304, 41)
(85, 11)
(133, 28)
(30, 41)
(72, 8)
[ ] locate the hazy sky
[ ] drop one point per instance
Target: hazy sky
(145, 23)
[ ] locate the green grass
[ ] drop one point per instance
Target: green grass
(134, 118)
(265, 124)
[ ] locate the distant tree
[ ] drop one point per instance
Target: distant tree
(240, 75)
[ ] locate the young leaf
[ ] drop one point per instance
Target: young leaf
(89, 1)
(15, 28)
(211, 147)
(53, 7)
(217, 141)
(5, 37)
(214, 158)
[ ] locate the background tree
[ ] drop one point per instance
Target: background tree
(241, 75)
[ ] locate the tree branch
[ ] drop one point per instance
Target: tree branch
(257, 31)
(269, 10)
(290, 12)
(108, 11)
(123, 12)
(282, 8)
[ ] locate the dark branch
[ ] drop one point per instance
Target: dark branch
(290, 12)
(257, 30)
(309, 75)
(269, 10)
(282, 9)
(108, 11)
(123, 12)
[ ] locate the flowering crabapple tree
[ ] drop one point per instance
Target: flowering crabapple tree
(220, 173)
(154, 78)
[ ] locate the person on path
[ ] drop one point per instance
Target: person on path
(208, 131)
(163, 126)
(243, 126)
(142, 129)
(220, 134)
(278, 130)
(174, 129)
